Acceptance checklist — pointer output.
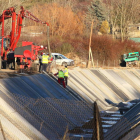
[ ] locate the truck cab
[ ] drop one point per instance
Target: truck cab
(131, 59)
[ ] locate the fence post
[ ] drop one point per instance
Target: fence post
(103, 62)
(108, 64)
(97, 63)
(97, 124)
(119, 62)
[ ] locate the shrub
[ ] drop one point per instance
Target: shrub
(65, 48)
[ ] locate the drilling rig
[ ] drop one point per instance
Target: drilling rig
(26, 54)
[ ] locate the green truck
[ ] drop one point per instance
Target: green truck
(131, 59)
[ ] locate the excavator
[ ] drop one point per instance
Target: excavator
(27, 53)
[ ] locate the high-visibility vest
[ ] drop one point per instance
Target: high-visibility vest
(45, 59)
(66, 73)
(60, 74)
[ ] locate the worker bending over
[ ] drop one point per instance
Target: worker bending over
(66, 75)
(60, 77)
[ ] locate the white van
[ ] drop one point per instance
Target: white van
(62, 60)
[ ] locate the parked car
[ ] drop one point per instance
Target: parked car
(62, 60)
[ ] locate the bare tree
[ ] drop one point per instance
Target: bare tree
(63, 21)
(122, 13)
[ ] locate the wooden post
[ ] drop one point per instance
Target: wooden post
(90, 59)
(97, 124)
(48, 41)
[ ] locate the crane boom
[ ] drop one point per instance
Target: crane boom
(7, 14)
(16, 27)
(14, 35)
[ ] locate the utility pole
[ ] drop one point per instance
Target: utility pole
(48, 41)
(90, 59)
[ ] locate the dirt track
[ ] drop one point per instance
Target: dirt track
(5, 73)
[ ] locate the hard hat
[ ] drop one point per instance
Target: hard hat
(43, 53)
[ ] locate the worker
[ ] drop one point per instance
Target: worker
(40, 61)
(60, 77)
(8, 59)
(11, 59)
(44, 61)
(50, 59)
(66, 75)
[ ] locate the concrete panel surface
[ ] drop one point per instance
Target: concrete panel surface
(108, 92)
(92, 93)
(105, 77)
(126, 86)
(131, 77)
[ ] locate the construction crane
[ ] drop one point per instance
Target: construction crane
(14, 36)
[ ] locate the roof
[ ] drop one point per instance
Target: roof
(135, 40)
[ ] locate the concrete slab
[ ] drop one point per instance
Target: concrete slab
(131, 78)
(55, 88)
(127, 90)
(90, 89)
(125, 84)
(15, 123)
(12, 130)
(74, 85)
(81, 88)
(137, 73)
(105, 77)
(1, 136)
(108, 92)
(88, 83)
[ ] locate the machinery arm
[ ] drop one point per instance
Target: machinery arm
(24, 13)
(29, 15)
(7, 14)
(16, 27)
